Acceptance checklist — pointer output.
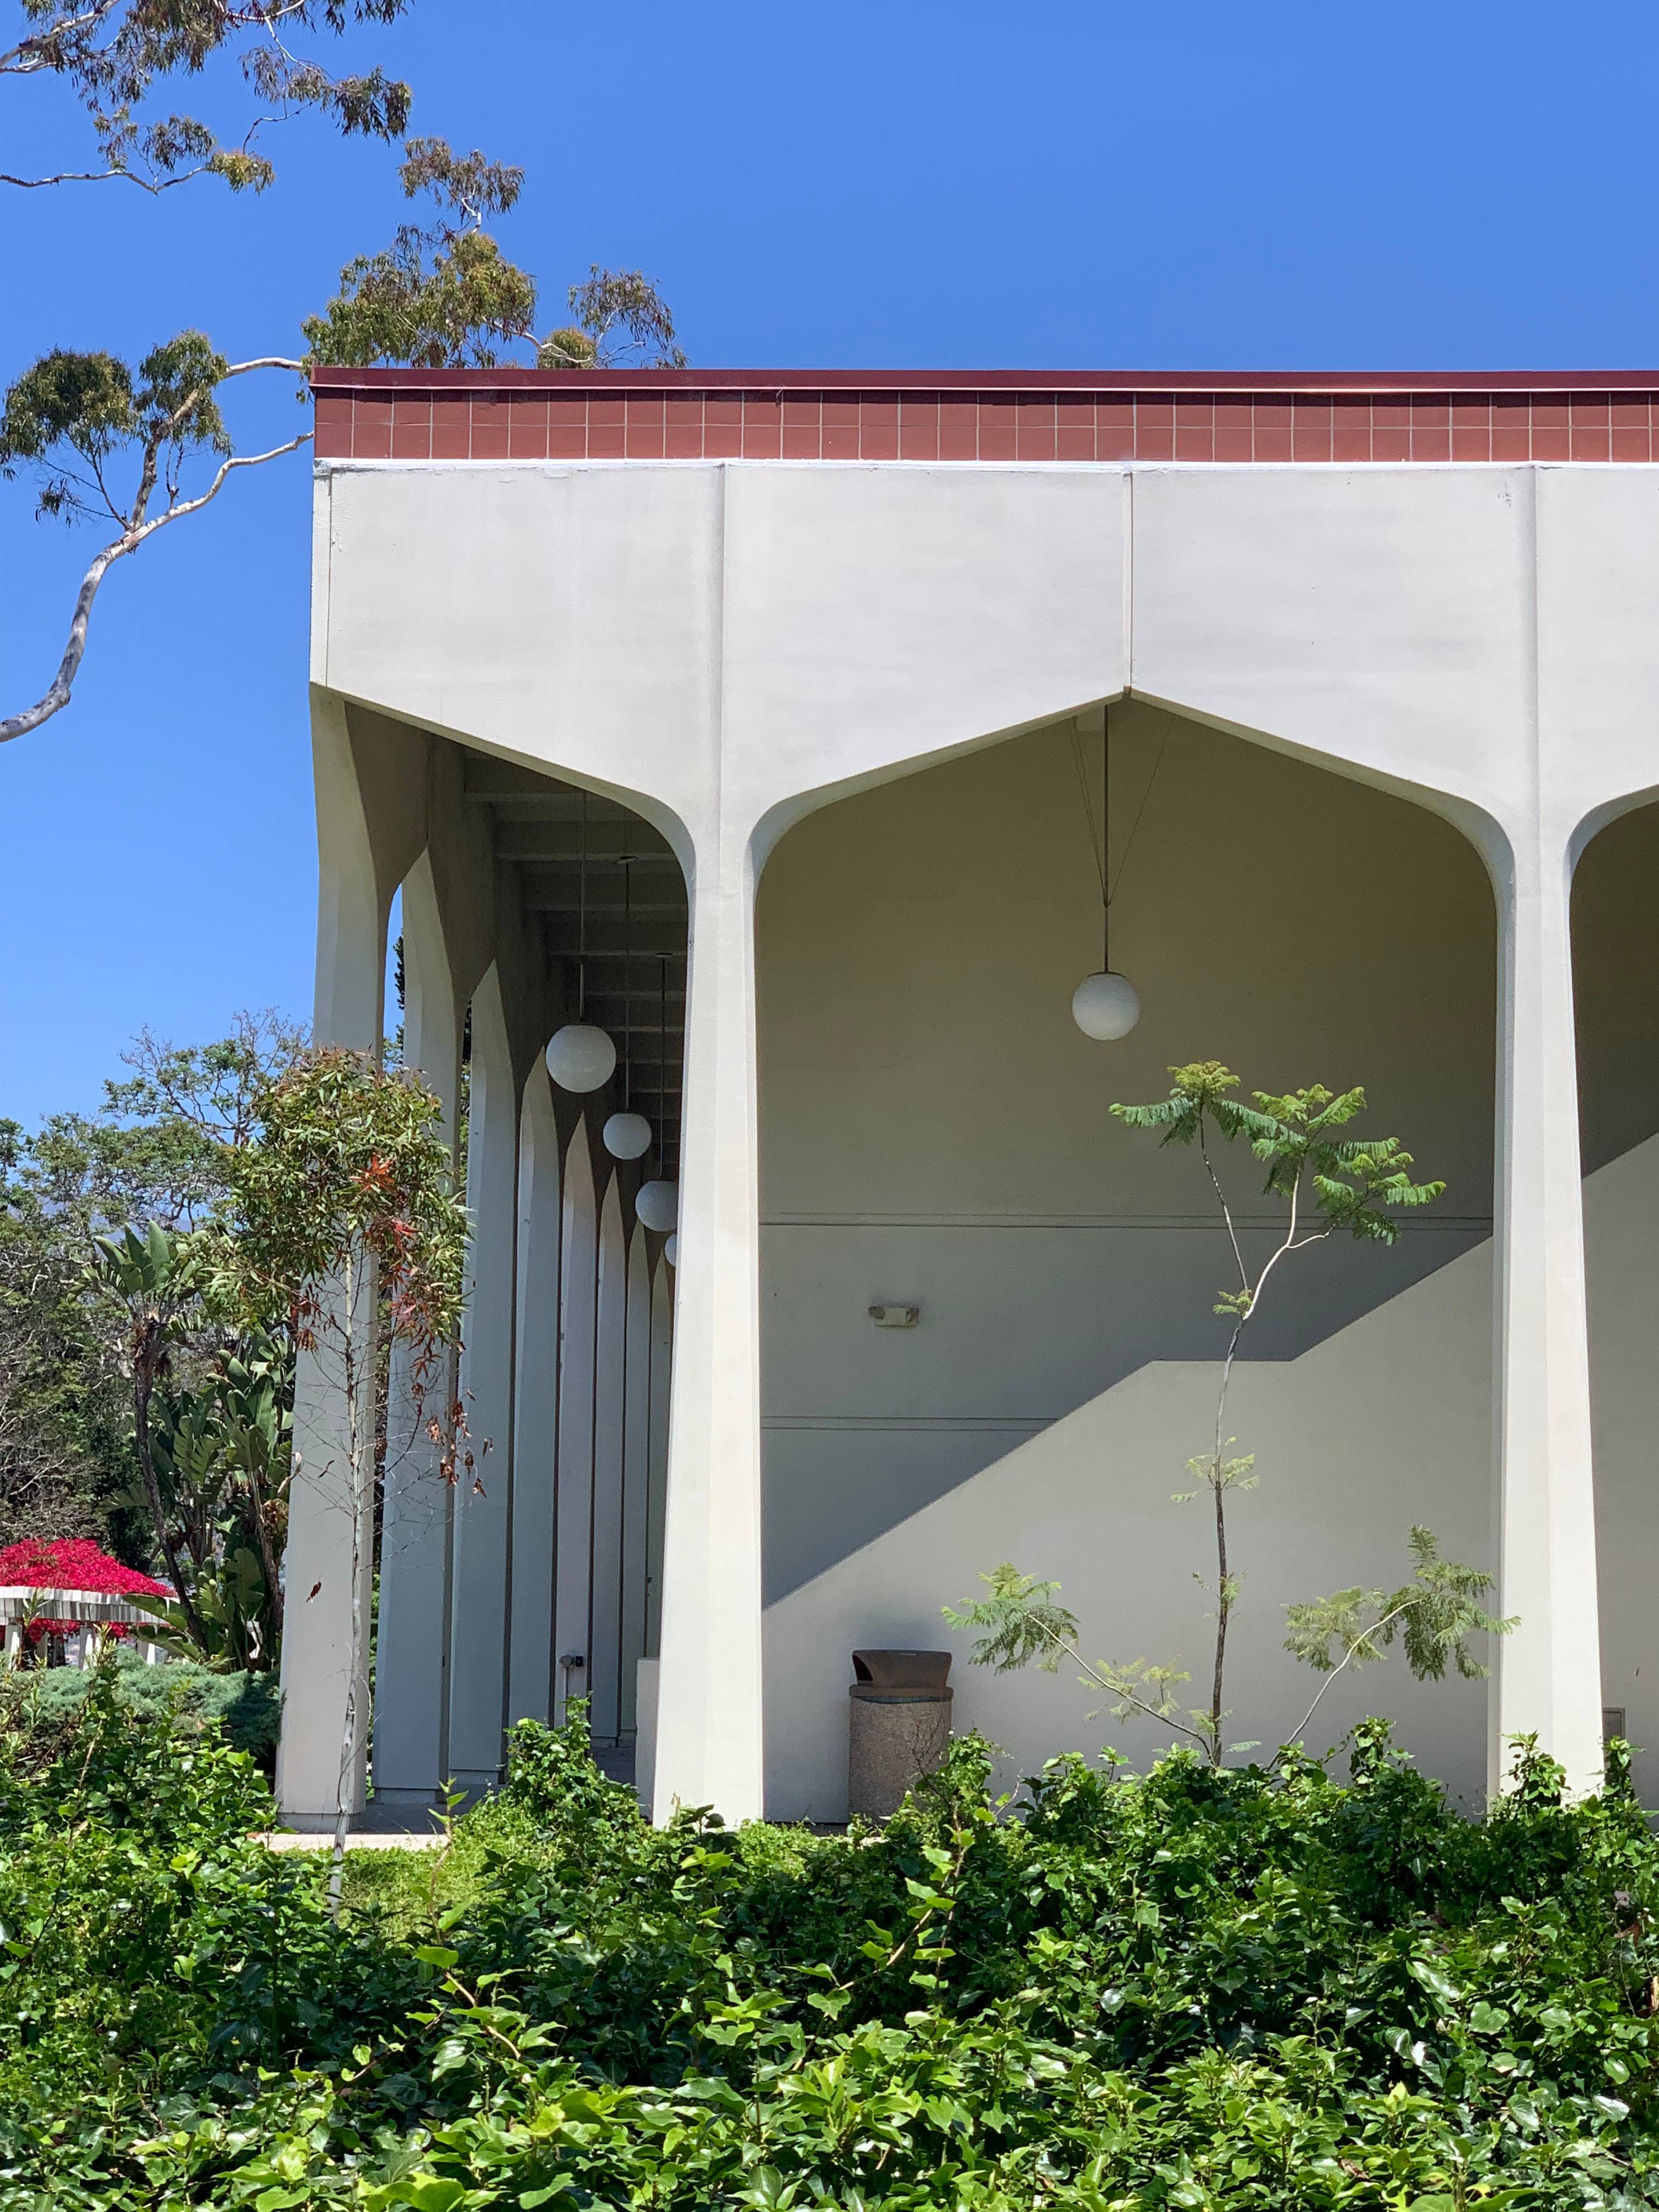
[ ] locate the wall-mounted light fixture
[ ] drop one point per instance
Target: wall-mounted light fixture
(895, 1317)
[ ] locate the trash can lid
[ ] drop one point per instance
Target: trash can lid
(903, 1670)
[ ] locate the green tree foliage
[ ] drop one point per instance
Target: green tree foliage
(1326, 1181)
(1434, 1615)
(64, 1458)
(442, 294)
(351, 1166)
(213, 1461)
(154, 1281)
(1190, 1992)
(71, 413)
(105, 441)
(155, 1154)
(114, 57)
(344, 1232)
(622, 321)
(135, 449)
(180, 1248)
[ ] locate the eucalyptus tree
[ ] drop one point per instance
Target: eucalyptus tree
(134, 448)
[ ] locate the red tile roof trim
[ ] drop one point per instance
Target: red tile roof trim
(817, 416)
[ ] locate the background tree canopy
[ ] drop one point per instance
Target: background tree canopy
(156, 1151)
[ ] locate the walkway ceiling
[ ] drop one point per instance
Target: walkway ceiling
(626, 931)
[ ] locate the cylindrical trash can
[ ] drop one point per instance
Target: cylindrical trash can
(899, 1726)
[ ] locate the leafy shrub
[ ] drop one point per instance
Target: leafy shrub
(246, 1707)
(1219, 1990)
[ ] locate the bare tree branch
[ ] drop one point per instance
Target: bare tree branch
(38, 52)
(265, 361)
(102, 176)
(1358, 1644)
(236, 461)
(57, 695)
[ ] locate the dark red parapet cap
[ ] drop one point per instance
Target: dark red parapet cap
(1004, 414)
(893, 380)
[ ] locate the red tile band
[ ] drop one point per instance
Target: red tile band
(399, 416)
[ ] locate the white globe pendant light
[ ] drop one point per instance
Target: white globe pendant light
(581, 1058)
(1105, 1005)
(657, 1203)
(670, 1251)
(626, 1136)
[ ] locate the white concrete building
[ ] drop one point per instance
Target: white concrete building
(811, 676)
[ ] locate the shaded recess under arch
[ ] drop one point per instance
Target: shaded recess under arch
(631, 941)
(934, 1129)
(1615, 955)
(527, 902)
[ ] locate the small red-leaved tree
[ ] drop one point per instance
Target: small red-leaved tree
(345, 1208)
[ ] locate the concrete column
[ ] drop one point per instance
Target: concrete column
(321, 1761)
(708, 1726)
(531, 1671)
(1549, 1671)
(327, 1502)
(656, 1502)
(484, 1497)
(610, 1385)
(411, 1760)
(352, 903)
(636, 1471)
(578, 1301)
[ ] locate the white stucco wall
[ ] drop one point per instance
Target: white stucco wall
(1385, 1424)
(729, 646)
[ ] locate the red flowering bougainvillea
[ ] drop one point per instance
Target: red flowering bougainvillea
(73, 1563)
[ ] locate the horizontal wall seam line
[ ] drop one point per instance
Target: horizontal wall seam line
(1469, 1225)
(887, 1423)
(328, 464)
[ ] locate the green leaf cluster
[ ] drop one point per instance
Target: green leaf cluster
(1240, 1990)
(1353, 1182)
(351, 1157)
(70, 415)
(110, 56)
(1434, 1615)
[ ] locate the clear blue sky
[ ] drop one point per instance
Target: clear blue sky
(911, 186)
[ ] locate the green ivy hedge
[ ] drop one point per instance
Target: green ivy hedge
(1191, 1990)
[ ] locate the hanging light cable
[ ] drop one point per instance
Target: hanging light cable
(627, 1135)
(581, 1058)
(1106, 1006)
(657, 1203)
